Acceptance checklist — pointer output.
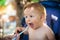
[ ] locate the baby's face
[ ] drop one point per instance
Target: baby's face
(32, 17)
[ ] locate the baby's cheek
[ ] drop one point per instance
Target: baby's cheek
(36, 22)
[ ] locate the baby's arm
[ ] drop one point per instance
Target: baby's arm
(19, 30)
(50, 34)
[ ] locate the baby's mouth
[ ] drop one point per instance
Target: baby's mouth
(31, 25)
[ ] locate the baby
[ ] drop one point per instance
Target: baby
(35, 16)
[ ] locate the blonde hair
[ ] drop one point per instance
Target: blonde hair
(38, 7)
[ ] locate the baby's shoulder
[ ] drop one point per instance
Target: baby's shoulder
(47, 28)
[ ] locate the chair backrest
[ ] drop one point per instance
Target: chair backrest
(53, 12)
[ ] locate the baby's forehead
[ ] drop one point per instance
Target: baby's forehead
(31, 10)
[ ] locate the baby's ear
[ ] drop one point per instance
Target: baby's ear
(42, 18)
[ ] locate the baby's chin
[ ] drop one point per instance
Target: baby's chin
(35, 28)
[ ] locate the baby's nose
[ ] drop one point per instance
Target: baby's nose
(28, 20)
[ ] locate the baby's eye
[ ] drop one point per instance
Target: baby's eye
(25, 16)
(31, 16)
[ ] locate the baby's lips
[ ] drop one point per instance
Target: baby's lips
(31, 24)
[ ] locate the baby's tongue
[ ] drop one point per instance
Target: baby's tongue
(31, 25)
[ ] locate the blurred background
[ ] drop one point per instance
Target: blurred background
(11, 12)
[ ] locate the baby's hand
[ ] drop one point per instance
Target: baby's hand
(18, 30)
